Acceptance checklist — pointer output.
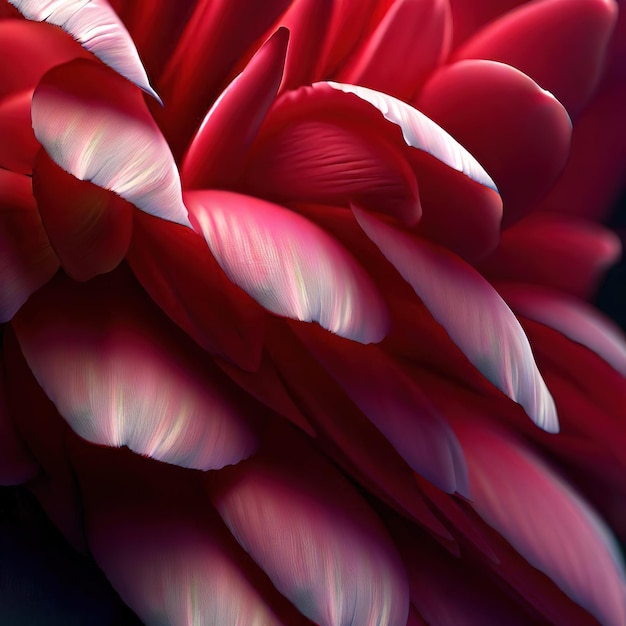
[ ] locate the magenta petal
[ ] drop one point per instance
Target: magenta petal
(289, 265)
(218, 152)
(472, 313)
(121, 375)
(97, 28)
(546, 521)
(316, 538)
(97, 127)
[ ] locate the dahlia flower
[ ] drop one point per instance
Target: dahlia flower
(296, 305)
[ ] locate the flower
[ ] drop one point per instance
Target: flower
(275, 277)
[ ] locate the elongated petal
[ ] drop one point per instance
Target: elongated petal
(519, 132)
(419, 131)
(151, 530)
(536, 39)
(407, 45)
(120, 374)
(27, 260)
(97, 127)
(218, 151)
(289, 265)
(473, 314)
(88, 227)
(396, 406)
(577, 320)
(98, 29)
(546, 521)
(318, 541)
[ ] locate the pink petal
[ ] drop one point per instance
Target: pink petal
(152, 532)
(27, 261)
(537, 39)
(121, 375)
(546, 521)
(289, 265)
(175, 266)
(395, 405)
(80, 111)
(218, 152)
(569, 254)
(472, 313)
(418, 131)
(325, 161)
(575, 319)
(519, 132)
(97, 28)
(410, 41)
(315, 537)
(214, 44)
(89, 227)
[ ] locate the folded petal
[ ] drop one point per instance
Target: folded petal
(88, 227)
(395, 405)
(94, 24)
(409, 42)
(569, 254)
(546, 521)
(97, 127)
(218, 152)
(175, 266)
(472, 313)
(517, 131)
(122, 375)
(27, 260)
(315, 537)
(536, 39)
(289, 265)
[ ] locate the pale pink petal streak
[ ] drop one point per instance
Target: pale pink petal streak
(546, 521)
(289, 265)
(472, 313)
(97, 127)
(95, 25)
(419, 131)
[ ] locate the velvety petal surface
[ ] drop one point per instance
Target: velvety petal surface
(121, 375)
(96, 126)
(546, 521)
(318, 541)
(19, 146)
(289, 265)
(565, 34)
(517, 131)
(94, 24)
(472, 313)
(27, 260)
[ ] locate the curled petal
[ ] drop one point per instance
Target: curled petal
(318, 541)
(97, 127)
(94, 24)
(472, 313)
(289, 265)
(27, 260)
(545, 520)
(580, 41)
(121, 375)
(418, 131)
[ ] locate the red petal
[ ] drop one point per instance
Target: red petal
(80, 111)
(27, 260)
(218, 152)
(122, 375)
(560, 44)
(89, 227)
(19, 146)
(518, 132)
(289, 265)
